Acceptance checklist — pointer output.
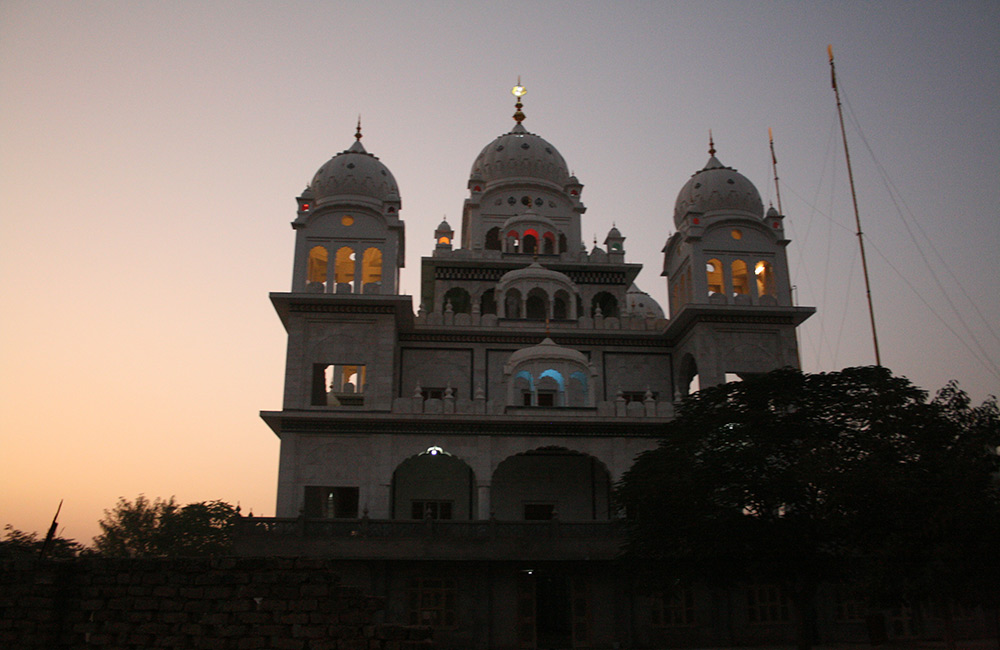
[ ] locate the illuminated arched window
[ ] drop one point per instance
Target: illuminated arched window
(512, 241)
(530, 242)
(371, 267)
(317, 265)
(550, 390)
(578, 394)
(714, 270)
(741, 279)
(765, 278)
(344, 268)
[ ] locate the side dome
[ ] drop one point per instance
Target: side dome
(641, 303)
(520, 155)
(547, 350)
(530, 219)
(535, 274)
(354, 173)
(717, 188)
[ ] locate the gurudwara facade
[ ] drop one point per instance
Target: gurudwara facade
(458, 452)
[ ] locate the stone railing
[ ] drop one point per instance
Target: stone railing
(467, 539)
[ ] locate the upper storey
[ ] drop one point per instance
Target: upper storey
(349, 237)
(520, 177)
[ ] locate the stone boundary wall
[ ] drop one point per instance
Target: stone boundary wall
(223, 603)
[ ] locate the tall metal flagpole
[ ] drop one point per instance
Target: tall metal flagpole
(854, 198)
(774, 168)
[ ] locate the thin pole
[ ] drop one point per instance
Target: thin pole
(774, 168)
(854, 198)
(47, 544)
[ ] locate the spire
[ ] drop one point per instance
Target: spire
(711, 144)
(518, 91)
(357, 134)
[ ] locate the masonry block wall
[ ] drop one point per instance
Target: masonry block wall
(226, 603)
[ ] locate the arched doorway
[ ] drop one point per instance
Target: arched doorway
(433, 484)
(551, 482)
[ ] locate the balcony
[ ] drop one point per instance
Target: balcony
(429, 539)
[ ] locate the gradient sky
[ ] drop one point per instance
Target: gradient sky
(150, 154)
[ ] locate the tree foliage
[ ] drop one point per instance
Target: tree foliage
(17, 543)
(798, 479)
(162, 528)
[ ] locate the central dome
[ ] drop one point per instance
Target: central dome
(520, 155)
(717, 188)
(356, 173)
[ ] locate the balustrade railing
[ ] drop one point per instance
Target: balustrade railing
(436, 528)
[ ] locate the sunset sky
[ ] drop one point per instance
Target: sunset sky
(151, 152)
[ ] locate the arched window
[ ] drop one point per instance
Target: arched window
(607, 303)
(512, 304)
(551, 389)
(371, 268)
(714, 270)
(459, 298)
(549, 246)
(317, 265)
(560, 306)
(344, 270)
(578, 394)
(537, 305)
(524, 385)
(562, 243)
(513, 239)
(530, 243)
(488, 302)
(492, 239)
(741, 280)
(765, 278)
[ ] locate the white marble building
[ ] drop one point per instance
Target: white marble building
(530, 372)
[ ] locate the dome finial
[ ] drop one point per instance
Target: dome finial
(518, 91)
(711, 144)
(357, 134)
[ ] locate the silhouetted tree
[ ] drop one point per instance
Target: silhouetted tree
(17, 543)
(943, 550)
(162, 528)
(798, 479)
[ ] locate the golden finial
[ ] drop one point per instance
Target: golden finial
(519, 92)
(357, 134)
(711, 144)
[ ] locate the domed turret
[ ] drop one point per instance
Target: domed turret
(350, 238)
(717, 188)
(354, 173)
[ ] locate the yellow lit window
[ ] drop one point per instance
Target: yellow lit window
(741, 283)
(765, 278)
(714, 270)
